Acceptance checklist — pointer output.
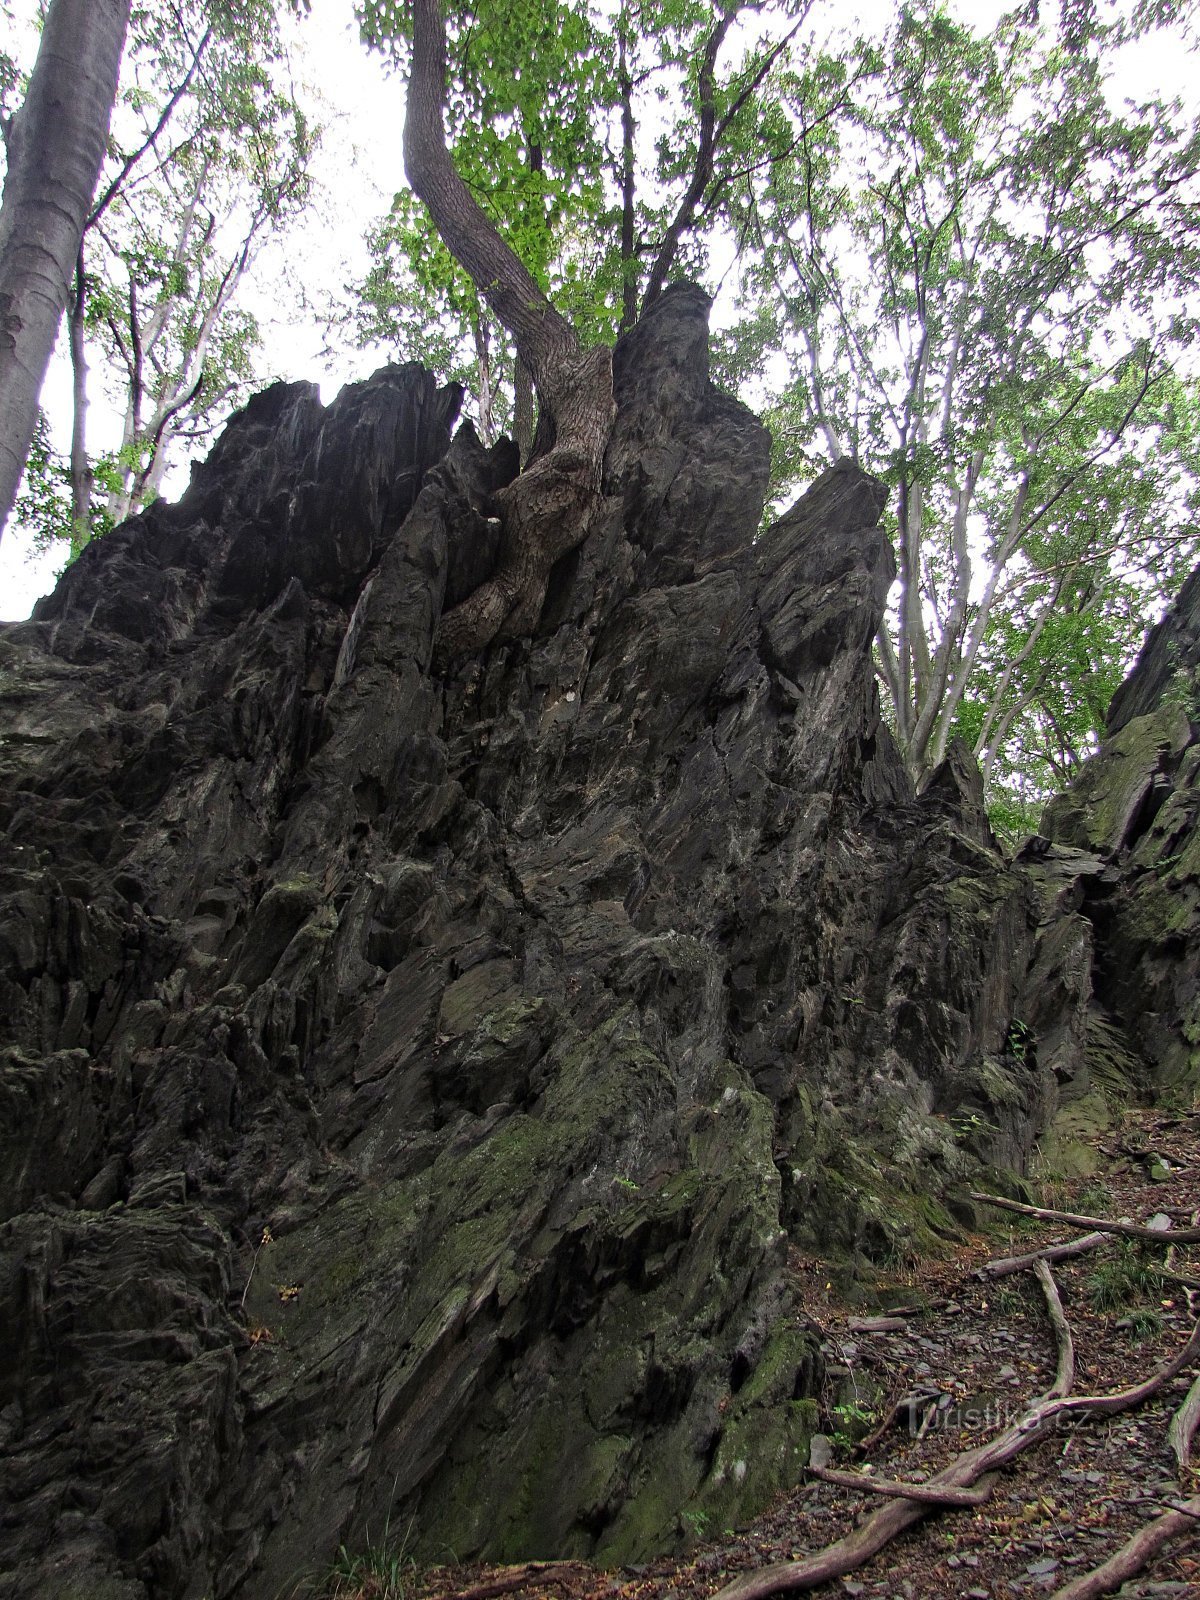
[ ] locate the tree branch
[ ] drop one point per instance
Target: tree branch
(151, 139)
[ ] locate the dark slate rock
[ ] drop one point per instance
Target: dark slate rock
(411, 1086)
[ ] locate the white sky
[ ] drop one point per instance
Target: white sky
(360, 168)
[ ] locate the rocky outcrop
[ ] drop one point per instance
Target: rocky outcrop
(413, 1084)
(1128, 828)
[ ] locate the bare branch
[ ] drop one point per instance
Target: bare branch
(151, 139)
(1052, 1252)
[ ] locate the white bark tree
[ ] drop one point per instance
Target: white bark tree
(55, 143)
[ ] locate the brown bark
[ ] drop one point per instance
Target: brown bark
(1064, 1377)
(1183, 1426)
(55, 148)
(1128, 1230)
(1132, 1557)
(924, 1493)
(522, 410)
(547, 509)
(1053, 1252)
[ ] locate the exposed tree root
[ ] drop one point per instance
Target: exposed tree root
(546, 510)
(1183, 1425)
(865, 1541)
(1004, 1265)
(1130, 1230)
(1132, 1557)
(892, 1489)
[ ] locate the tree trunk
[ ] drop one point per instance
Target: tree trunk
(82, 477)
(523, 409)
(55, 148)
(546, 511)
(629, 261)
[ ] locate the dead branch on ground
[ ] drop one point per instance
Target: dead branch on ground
(1064, 1377)
(1001, 1267)
(1130, 1230)
(865, 1541)
(511, 1578)
(1183, 1425)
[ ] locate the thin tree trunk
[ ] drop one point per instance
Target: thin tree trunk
(629, 265)
(55, 149)
(483, 358)
(82, 477)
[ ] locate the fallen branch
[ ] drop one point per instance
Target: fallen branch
(511, 1578)
(1130, 1230)
(1178, 1277)
(865, 1541)
(926, 1493)
(1052, 1252)
(1132, 1557)
(1183, 1425)
(1064, 1377)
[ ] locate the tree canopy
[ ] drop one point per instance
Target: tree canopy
(957, 256)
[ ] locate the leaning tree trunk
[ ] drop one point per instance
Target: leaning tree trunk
(547, 509)
(55, 148)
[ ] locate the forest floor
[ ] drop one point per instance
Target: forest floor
(957, 1359)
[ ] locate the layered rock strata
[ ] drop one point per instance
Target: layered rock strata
(412, 1085)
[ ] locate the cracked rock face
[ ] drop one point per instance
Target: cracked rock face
(411, 1086)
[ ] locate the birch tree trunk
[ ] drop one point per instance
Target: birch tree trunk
(55, 148)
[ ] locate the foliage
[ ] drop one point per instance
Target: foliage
(853, 1422)
(212, 156)
(581, 133)
(523, 80)
(986, 304)
(209, 155)
(44, 503)
(378, 1573)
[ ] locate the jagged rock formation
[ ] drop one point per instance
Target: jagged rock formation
(1126, 836)
(532, 1010)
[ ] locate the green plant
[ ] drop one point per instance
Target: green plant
(854, 1420)
(1120, 1283)
(696, 1520)
(377, 1573)
(1145, 1323)
(1020, 1039)
(968, 1123)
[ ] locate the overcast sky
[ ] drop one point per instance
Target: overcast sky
(360, 169)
